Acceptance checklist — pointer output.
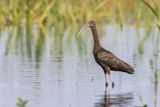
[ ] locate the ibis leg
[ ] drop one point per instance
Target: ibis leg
(106, 80)
(111, 81)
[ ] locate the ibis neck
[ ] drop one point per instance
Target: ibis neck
(95, 37)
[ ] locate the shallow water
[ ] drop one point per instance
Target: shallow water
(63, 73)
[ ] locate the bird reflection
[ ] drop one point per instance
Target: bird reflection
(115, 100)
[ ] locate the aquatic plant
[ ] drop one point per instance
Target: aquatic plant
(21, 16)
(155, 10)
(21, 102)
(56, 13)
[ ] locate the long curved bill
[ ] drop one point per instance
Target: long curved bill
(82, 29)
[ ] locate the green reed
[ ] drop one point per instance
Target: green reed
(155, 10)
(67, 13)
(21, 102)
(21, 16)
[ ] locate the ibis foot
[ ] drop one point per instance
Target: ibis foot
(112, 84)
(106, 84)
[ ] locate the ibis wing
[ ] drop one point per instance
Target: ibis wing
(106, 57)
(109, 59)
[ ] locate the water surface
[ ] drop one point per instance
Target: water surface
(62, 72)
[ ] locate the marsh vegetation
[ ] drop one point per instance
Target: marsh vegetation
(44, 63)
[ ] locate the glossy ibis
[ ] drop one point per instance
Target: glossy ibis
(107, 60)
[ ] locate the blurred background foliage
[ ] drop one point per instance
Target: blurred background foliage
(29, 22)
(74, 13)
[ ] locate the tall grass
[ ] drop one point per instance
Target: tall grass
(69, 13)
(22, 15)
(153, 6)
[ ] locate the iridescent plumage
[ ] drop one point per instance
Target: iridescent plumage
(107, 60)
